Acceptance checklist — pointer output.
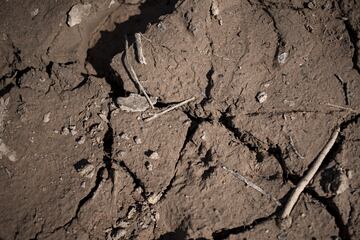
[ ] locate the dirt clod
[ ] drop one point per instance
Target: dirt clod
(77, 13)
(256, 86)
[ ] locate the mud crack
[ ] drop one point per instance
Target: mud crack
(225, 233)
(280, 46)
(333, 210)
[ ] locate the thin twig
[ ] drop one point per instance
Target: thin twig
(147, 39)
(294, 148)
(140, 53)
(309, 175)
(156, 115)
(133, 74)
(343, 108)
(250, 184)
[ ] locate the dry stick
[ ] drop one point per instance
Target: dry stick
(156, 115)
(343, 108)
(294, 148)
(140, 53)
(250, 184)
(133, 74)
(309, 175)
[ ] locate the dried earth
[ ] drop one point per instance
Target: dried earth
(271, 79)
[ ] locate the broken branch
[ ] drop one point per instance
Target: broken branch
(156, 115)
(140, 53)
(133, 74)
(309, 175)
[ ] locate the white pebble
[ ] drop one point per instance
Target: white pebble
(282, 57)
(154, 155)
(77, 13)
(261, 97)
(81, 140)
(46, 118)
(137, 140)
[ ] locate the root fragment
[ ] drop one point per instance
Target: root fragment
(309, 175)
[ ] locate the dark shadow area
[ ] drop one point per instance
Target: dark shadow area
(177, 235)
(225, 233)
(112, 43)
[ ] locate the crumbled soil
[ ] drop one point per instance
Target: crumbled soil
(73, 165)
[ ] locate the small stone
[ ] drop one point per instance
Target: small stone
(282, 57)
(83, 185)
(12, 157)
(154, 156)
(81, 140)
(157, 216)
(112, 2)
(349, 174)
(73, 132)
(215, 8)
(261, 97)
(137, 140)
(84, 168)
(311, 5)
(35, 12)
(77, 13)
(343, 184)
(103, 117)
(161, 26)
(131, 213)
(119, 234)
(124, 136)
(139, 190)
(154, 198)
(148, 166)
(120, 154)
(46, 117)
(134, 103)
(65, 131)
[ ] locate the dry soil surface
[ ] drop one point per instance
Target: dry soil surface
(270, 80)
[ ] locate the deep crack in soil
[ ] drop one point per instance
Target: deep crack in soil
(186, 37)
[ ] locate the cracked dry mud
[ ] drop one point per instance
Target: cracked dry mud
(73, 165)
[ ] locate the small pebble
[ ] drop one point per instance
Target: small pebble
(83, 185)
(154, 156)
(282, 57)
(154, 198)
(148, 166)
(157, 216)
(35, 12)
(311, 5)
(84, 168)
(137, 140)
(120, 154)
(46, 118)
(124, 136)
(73, 132)
(119, 234)
(81, 140)
(349, 174)
(77, 13)
(131, 213)
(65, 131)
(261, 97)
